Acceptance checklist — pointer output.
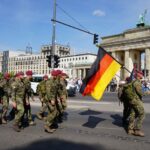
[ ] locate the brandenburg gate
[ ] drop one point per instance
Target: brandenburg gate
(128, 48)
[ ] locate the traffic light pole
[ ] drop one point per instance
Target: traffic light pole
(54, 33)
(54, 20)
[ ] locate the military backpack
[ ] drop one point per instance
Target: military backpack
(126, 92)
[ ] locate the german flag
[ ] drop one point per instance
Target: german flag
(100, 74)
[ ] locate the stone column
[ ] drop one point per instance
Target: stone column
(147, 61)
(126, 63)
(84, 73)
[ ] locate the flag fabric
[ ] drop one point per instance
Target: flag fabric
(100, 74)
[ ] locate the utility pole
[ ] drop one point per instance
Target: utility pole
(54, 32)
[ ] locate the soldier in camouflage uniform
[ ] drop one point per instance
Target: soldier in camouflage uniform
(5, 87)
(13, 110)
(62, 95)
(51, 93)
(41, 91)
(1, 93)
(28, 93)
(137, 113)
(18, 93)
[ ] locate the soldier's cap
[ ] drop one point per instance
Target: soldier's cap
(45, 76)
(6, 75)
(29, 73)
(56, 72)
(127, 79)
(19, 74)
(64, 74)
(139, 74)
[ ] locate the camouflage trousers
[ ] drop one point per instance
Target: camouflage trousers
(52, 114)
(27, 112)
(20, 111)
(126, 110)
(43, 107)
(137, 114)
(5, 105)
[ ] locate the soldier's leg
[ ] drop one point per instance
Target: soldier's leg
(131, 121)
(52, 113)
(40, 114)
(5, 108)
(18, 116)
(60, 111)
(126, 112)
(139, 109)
(29, 115)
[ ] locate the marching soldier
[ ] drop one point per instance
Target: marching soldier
(1, 93)
(5, 87)
(51, 95)
(62, 95)
(18, 93)
(137, 108)
(41, 91)
(28, 93)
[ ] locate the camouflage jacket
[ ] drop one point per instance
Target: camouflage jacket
(41, 88)
(138, 89)
(62, 88)
(28, 90)
(5, 87)
(51, 89)
(18, 90)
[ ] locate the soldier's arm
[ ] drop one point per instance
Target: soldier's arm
(13, 93)
(138, 88)
(51, 90)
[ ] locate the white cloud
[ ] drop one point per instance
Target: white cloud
(98, 13)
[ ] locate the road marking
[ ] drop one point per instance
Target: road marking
(88, 102)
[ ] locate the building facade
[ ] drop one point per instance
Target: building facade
(76, 66)
(128, 47)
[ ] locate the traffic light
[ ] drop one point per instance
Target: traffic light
(95, 40)
(56, 61)
(49, 60)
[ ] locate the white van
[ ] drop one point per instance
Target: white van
(36, 79)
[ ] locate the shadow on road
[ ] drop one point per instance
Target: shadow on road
(57, 144)
(93, 121)
(117, 120)
(90, 112)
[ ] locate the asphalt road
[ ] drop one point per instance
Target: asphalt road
(88, 125)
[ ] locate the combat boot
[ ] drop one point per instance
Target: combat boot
(4, 121)
(48, 129)
(16, 127)
(32, 123)
(39, 116)
(131, 132)
(138, 133)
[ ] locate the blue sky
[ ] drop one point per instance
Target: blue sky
(29, 21)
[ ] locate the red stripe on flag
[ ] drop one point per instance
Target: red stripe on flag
(103, 65)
